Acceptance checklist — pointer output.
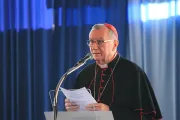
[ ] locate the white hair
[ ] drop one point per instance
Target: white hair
(98, 26)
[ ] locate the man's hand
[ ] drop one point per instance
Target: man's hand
(97, 107)
(71, 106)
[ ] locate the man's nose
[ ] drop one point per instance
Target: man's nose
(94, 45)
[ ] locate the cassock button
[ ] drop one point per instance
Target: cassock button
(103, 74)
(102, 81)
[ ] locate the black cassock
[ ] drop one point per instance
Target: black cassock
(124, 87)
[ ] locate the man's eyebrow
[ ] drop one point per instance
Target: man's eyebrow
(101, 38)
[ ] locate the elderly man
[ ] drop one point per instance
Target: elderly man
(116, 83)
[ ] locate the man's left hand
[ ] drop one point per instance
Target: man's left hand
(97, 107)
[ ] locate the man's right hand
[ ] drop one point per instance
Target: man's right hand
(71, 106)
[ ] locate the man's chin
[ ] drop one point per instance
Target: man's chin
(97, 56)
(97, 59)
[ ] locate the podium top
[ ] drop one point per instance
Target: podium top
(80, 115)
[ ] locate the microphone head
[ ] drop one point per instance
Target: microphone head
(87, 57)
(90, 56)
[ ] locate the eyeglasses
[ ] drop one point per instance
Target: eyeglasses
(98, 42)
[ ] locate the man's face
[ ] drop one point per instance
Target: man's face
(103, 52)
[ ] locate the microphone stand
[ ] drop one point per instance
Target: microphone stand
(55, 109)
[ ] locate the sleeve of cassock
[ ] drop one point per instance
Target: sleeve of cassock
(144, 98)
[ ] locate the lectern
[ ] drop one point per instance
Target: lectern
(80, 115)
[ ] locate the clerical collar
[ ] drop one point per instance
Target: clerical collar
(110, 64)
(103, 66)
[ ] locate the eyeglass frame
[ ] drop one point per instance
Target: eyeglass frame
(96, 41)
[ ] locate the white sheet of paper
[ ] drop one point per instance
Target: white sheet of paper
(80, 96)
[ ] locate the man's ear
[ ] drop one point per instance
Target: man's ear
(116, 43)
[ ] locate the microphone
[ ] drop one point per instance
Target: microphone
(86, 58)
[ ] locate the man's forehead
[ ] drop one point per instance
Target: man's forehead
(98, 34)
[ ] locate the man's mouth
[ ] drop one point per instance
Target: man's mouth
(96, 53)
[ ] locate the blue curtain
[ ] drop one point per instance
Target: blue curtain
(39, 41)
(153, 43)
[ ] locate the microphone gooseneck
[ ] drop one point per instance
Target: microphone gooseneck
(78, 65)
